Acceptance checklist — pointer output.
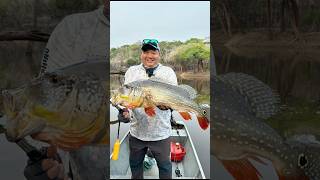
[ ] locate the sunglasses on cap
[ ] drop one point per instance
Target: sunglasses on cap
(147, 43)
(150, 41)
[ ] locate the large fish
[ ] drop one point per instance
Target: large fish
(66, 108)
(239, 135)
(154, 92)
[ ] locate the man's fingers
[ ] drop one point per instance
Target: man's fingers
(47, 164)
(126, 114)
(55, 170)
(162, 107)
(51, 151)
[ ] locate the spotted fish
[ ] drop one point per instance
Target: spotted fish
(238, 133)
(154, 92)
(66, 108)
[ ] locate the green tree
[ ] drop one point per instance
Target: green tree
(194, 40)
(191, 54)
(131, 62)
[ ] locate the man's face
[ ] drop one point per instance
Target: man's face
(150, 58)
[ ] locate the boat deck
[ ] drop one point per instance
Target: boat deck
(120, 169)
(153, 173)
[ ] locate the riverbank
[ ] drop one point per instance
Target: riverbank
(261, 39)
(192, 75)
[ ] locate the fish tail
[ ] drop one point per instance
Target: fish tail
(241, 169)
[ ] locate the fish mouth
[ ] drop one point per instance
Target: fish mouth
(17, 130)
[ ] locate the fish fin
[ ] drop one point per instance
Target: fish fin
(258, 159)
(203, 122)
(189, 90)
(133, 105)
(150, 111)
(185, 115)
(241, 169)
(8, 103)
(263, 101)
(157, 79)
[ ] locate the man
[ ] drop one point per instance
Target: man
(145, 133)
(78, 37)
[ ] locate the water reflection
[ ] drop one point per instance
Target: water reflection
(19, 63)
(291, 72)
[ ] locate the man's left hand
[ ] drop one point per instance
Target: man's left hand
(163, 107)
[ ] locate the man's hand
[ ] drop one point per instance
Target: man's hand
(124, 115)
(44, 169)
(163, 107)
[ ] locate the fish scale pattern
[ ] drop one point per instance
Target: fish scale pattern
(263, 101)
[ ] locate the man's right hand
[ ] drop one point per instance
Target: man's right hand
(45, 169)
(124, 115)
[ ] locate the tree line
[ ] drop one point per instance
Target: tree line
(41, 15)
(191, 55)
(271, 16)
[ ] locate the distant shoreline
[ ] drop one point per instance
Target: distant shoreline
(260, 39)
(192, 75)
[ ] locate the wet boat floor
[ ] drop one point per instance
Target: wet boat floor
(153, 173)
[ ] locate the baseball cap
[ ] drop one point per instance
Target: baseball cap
(150, 44)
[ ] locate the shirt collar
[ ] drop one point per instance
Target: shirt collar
(142, 67)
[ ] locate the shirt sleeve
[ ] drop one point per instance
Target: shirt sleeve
(127, 76)
(59, 49)
(172, 77)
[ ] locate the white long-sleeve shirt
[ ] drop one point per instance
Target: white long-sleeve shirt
(159, 127)
(80, 37)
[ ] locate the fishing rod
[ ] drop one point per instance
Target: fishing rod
(116, 146)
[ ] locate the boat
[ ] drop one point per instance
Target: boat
(189, 168)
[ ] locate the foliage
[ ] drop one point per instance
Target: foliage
(194, 51)
(176, 53)
(233, 16)
(131, 62)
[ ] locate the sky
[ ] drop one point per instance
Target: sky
(133, 21)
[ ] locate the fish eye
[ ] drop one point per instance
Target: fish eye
(126, 86)
(302, 161)
(204, 112)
